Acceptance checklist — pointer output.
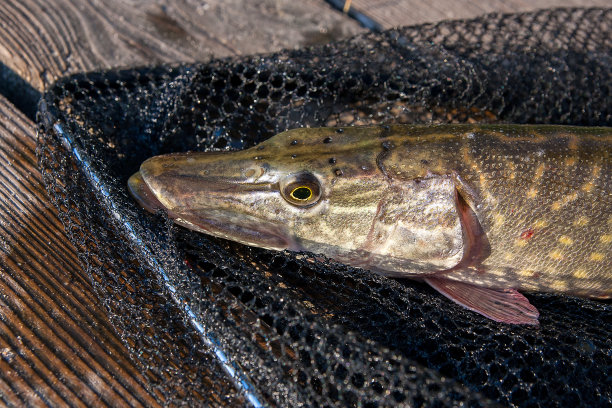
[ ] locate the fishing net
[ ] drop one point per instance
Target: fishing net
(217, 323)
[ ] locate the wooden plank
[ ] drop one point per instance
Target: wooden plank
(393, 13)
(56, 344)
(43, 40)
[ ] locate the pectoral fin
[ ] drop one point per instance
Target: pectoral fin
(476, 242)
(501, 305)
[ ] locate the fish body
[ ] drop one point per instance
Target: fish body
(477, 211)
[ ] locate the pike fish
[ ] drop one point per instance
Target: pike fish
(479, 212)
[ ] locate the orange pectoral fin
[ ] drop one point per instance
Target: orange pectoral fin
(501, 305)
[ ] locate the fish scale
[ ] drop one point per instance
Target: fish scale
(477, 211)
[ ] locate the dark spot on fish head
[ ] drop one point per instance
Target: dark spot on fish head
(261, 147)
(417, 181)
(338, 172)
(332, 160)
(339, 130)
(257, 158)
(293, 142)
(425, 162)
(293, 156)
(327, 140)
(364, 168)
(387, 145)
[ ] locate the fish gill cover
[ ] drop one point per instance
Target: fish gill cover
(213, 322)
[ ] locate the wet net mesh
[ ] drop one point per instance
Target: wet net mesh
(216, 323)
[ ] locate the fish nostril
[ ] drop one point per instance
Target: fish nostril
(254, 172)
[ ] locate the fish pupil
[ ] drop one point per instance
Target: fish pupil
(301, 193)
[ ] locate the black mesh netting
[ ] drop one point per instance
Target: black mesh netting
(295, 329)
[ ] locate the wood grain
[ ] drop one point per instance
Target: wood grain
(43, 40)
(393, 13)
(56, 344)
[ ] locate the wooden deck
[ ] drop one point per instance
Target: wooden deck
(57, 346)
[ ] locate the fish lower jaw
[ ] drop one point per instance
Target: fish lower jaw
(253, 235)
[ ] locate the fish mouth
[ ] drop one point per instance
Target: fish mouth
(243, 228)
(143, 195)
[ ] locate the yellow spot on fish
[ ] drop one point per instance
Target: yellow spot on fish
(498, 220)
(582, 221)
(605, 239)
(539, 171)
(596, 171)
(520, 242)
(540, 224)
(565, 240)
(467, 157)
(588, 186)
(572, 143)
(483, 182)
(580, 273)
(509, 256)
(527, 273)
(555, 254)
(570, 161)
(532, 193)
(559, 285)
(557, 205)
(512, 170)
(597, 256)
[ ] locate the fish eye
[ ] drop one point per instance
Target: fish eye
(301, 189)
(301, 193)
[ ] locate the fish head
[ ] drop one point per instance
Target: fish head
(303, 189)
